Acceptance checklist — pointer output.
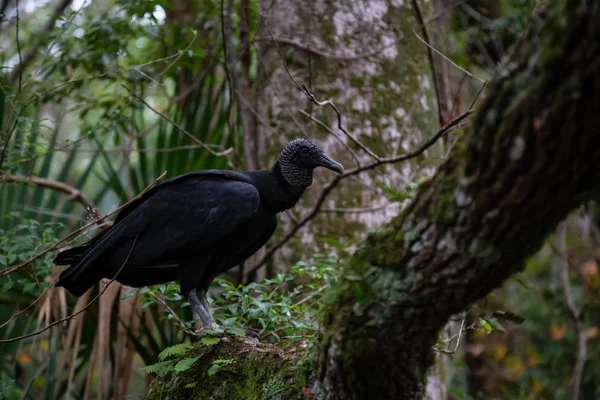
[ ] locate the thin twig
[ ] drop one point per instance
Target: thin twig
(114, 72)
(178, 55)
(30, 52)
(234, 84)
(482, 19)
(12, 130)
(574, 313)
(172, 101)
(8, 271)
(176, 125)
(324, 126)
(68, 317)
(446, 9)
(335, 182)
(457, 336)
(448, 59)
(20, 312)
(304, 89)
(355, 210)
(323, 53)
(19, 47)
(434, 74)
(74, 194)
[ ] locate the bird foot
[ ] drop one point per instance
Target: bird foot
(252, 333)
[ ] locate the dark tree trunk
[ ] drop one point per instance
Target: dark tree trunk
(530, 157)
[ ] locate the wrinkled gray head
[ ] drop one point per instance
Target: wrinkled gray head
(298, 160)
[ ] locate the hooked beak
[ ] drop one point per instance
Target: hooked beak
(330, 163)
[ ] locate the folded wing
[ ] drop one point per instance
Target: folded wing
(177, 219)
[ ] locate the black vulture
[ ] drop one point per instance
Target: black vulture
(194, 226)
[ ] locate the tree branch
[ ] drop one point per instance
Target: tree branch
(70, 316)
(327, 189)
(239, 91)
(574, 313)
(74, 194)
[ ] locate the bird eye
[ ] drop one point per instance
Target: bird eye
(305, 150)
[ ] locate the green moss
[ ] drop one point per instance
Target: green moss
(257, 371)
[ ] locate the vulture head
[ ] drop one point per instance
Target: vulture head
(300, 157)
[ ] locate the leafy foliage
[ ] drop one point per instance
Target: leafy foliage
(278, 314)
(185, 364)
(173, 351)
(159, 368)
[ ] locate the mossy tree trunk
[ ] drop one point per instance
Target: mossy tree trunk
(530, 157)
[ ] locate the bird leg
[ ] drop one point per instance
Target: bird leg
(202, 310)
(198, 299)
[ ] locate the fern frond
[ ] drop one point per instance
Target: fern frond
(185, 364)
(176, 350)
(159, 368)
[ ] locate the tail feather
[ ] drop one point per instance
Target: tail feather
(81, 285)
(71, 256)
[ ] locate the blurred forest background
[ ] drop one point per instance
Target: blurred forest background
(99, 98)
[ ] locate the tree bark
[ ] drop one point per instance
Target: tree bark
(365, 57)
(530, 157)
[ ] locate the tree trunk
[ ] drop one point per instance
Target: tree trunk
(365, 57)
(530, 157)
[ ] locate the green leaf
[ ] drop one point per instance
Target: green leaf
(494, 323)
(485, 325)
(158, 368)
(185, 364)
(236, 331)
(176, 350)
(209, 340)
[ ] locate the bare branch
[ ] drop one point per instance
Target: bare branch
(21, 312)
(304, 89)
(68, 317)
(355, 210)
(448, 59)
(335, 182)
(574, 313)
(328, 129)
(434, 73)
(248, 127)
(19, 46)
(182, 129)
(446, 9)
(323, 53)
(74, 194)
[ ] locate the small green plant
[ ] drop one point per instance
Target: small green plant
(167, 363)
(17, 244)
(281, 308)
(219, 365)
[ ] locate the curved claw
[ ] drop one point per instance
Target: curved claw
(252, 333)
